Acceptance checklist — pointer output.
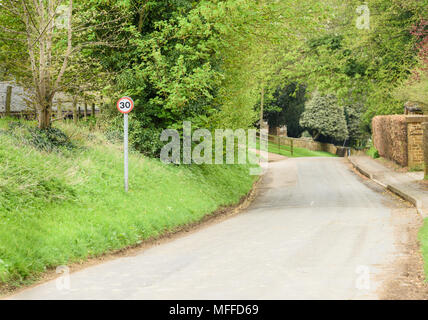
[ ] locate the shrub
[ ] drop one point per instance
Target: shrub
(372, 152)
(51, 139)
(306, 134)
(357, 137)
(147, 141)
(323, 116)
(144, 140)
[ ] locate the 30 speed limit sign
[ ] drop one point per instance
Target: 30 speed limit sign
(125, 105)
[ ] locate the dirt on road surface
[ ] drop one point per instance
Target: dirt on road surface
(316, 230)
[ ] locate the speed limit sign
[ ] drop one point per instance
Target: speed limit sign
(125, 105)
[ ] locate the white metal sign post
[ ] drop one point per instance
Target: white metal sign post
(125, 106)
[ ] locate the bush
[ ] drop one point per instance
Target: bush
(306, 134)
(323, 116)
(286, 108)
(51, 139)
(147, 141)
(372, 152)
(144, 140)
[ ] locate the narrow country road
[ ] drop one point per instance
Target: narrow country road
(315, 231)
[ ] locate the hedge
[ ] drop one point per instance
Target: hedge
(390, 137)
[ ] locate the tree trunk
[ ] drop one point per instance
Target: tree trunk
(59, 110)
(86, 111)
(8, 99)
(140, 21)
(44, 117)
(74, 109)
(316, 135)
(141, 18)
(101, 106)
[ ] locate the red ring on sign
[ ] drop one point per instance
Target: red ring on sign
(125, 98)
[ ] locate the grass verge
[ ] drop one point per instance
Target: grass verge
(423, 238)
(297, 152)
(62, 207)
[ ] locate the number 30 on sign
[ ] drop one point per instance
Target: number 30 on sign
(125, 105)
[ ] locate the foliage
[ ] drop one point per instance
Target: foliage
(52, 38)
(353, 114)
(206, 61)
(306, 134)
(372, 152)
(414, 89)
(366, 65)
(51, 139)
(323, 116)
(286, 108)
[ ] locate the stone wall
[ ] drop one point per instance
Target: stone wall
(415, 138)
(390, 138)
(400, 138)
(315, 145)
(306, 143)
(278, 131)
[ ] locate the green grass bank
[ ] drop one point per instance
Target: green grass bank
(65, 206)
(297, 152)
(423, 238)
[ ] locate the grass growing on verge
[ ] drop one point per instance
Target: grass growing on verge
(64, 206)
(372, 152)
(423, 238)
(297, 152)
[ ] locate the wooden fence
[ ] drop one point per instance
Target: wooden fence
(307, 144)
(279, 141)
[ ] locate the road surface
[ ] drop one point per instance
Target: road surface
(315, 231)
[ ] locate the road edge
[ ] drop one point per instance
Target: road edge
(393, 188)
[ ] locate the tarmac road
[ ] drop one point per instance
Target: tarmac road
(315, 231)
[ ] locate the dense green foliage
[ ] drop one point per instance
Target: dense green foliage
(286, 108)
(324, 117)
(357, 136)
(367, 65)
(52, 139)
(207, 61)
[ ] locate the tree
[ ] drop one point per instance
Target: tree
(48, 34)
(415, 88)
(366, 65)
(209, 61)
(286, 108)
(354, 120)
(36, 31)
(323, 116)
